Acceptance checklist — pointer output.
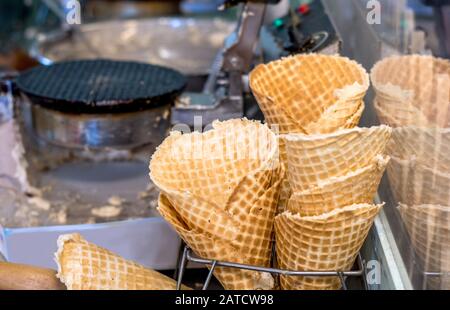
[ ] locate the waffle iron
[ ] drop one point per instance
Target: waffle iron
(100, 103)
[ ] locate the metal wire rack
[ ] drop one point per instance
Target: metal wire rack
(188, 256)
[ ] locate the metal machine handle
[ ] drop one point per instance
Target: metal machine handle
(230, 3)
(238, 58)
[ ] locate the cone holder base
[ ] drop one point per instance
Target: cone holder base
(187, 256)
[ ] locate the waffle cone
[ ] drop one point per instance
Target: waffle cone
(225, 221)
(286, 190)
(85, 266)
(309, 94)
(354, 188)
(204, 216)
(327, 242)
(212, 164)
(223, 196)
(315, 159)
(429, 230)
(416, 184)
(416, 82)
(252, 246)
(428, 146)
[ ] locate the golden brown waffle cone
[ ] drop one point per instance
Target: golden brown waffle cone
(429, 146)
(228, 200)
(354, 188)
(211, 165)
(252, 246)
(316, 158)
(286, 190)
(329, 242)
(414, 82)
(225, 221)
(429, 229)
(415, 184)
(309, 93)
(204, 216)
(85, 266)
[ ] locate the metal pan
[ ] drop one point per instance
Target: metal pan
(184, 44)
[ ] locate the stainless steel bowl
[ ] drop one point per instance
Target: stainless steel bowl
(123, 130)
(185, 44)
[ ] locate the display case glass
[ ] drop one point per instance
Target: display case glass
(405, 45)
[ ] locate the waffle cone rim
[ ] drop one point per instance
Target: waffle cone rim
(268, 163)
(393, 91)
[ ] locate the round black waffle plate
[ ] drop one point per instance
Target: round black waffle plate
(101, 86)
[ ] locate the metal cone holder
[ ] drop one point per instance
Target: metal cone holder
(188, 256)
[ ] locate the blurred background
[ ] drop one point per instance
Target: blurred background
(23, 21)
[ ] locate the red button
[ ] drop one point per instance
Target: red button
(304, 9)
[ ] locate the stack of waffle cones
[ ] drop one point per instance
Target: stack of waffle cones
(85, 266)
(428, 227)
(220, 190)
(334, 179)
(412, 90)
(413, 95)
(309, 94)
(420, 181)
